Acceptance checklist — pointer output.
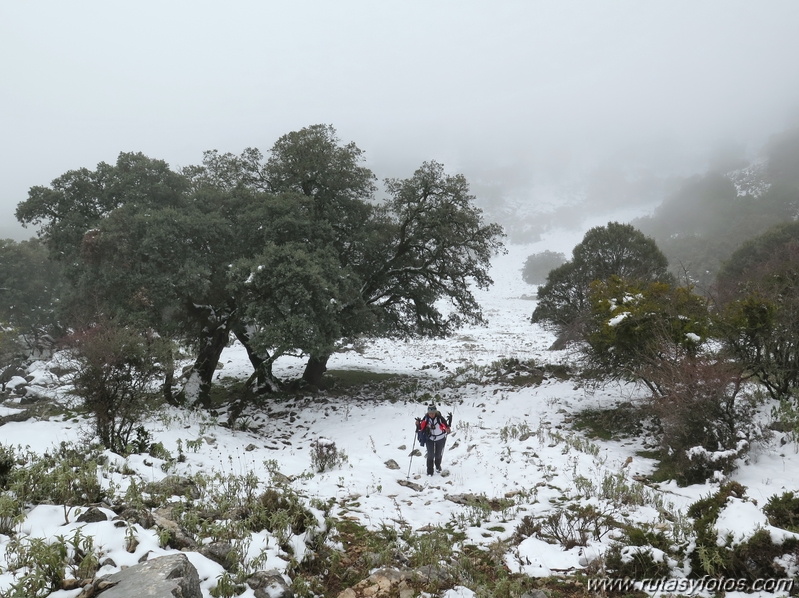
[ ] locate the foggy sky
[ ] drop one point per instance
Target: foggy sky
(510, 93)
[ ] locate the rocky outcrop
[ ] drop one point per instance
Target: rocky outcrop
(381, 583)
(171, 576)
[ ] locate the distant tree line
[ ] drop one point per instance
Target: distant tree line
(288, 252)
(705, 218)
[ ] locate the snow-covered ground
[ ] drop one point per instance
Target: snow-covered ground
(508, 441)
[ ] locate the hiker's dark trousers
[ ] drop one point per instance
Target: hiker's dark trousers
(435, 450)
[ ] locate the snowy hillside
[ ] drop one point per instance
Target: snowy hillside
(513, 448)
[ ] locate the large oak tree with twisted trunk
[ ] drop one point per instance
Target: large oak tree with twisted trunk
(380, 268)
(290, 253)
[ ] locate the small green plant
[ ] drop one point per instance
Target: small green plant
(513, 431)
(325, 455)
(7, 463)
(44, 564)
(194, 445)
(65, 476)
(227, 586)
(11, 512)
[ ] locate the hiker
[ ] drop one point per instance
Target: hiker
(432, 430)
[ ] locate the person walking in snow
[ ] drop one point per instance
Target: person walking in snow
(432, 430)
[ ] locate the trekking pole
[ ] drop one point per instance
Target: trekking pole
(411, 461)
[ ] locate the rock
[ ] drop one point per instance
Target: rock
(279, 478)
(171, 576)
(391, 464)
(173, 485)
(250, 447)
(220, 552)
(27, 399)
(21, 416)
(462, 499)
(269, 584)
(416, 453)
(535, 594)
(411, 485)
(73, 584)
(178, 537)
(141, 516)
(16, 382)
(59, 370)
(92, 515)
(380, 584)
(432, 573)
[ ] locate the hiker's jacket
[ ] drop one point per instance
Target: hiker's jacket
(433, 428)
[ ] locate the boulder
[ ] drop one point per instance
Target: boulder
(92, 515)
(269, 584)
(220, 552)
(171, 576)
(391, 464)
(141, 516)
(178, 537)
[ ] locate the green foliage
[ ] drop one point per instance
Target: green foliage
(575, 525)
(325, 455)
(32, 285)
(7, 463)
(782, 151)
(78, 200)
(290, 254)
(117, 370)
(635, 327)
(783, 511)
(538, 265)
(759, 319)
(605, 251)
(11, 512)
(44, 564)
(751, 559)
(636, 562)
(625, 420)
(66, 476)
(227, 586)
(708, 419)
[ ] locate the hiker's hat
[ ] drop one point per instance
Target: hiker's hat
(432, 407)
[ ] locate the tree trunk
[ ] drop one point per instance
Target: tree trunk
(315, 369)
(262, 379)
(198, 387)
(169, 380)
